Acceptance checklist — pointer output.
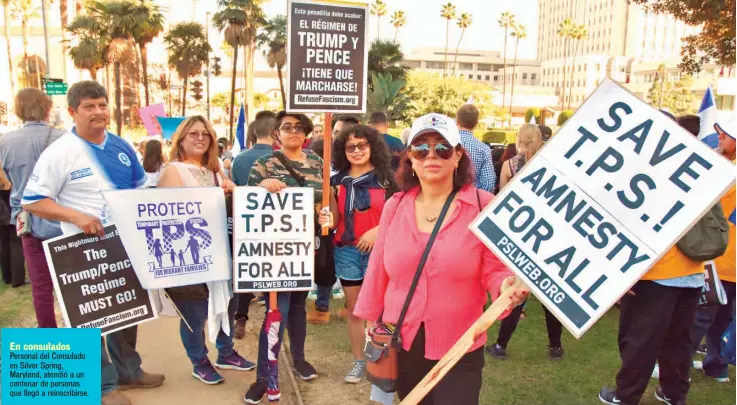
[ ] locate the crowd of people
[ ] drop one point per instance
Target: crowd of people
(399, 247)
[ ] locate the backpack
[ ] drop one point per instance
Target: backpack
(708, 238)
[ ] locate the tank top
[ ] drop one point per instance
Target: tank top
(193, 176)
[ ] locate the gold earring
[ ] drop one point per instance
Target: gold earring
(413, 173)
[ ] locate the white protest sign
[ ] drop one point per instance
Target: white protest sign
(606, 197)
(174, 236)
(274, 239)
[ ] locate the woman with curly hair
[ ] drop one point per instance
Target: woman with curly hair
(363, 182)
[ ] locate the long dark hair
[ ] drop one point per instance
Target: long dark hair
(152, 157)
(462, 177)
(381, 158)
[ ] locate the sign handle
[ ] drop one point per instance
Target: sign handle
(462, 345)
(178, 312)
(327, 158)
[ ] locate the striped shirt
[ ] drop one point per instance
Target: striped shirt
(481, 157)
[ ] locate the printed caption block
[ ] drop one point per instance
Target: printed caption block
(51, 367)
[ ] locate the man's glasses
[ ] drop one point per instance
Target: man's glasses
(361, 147)
(421, 151)
(293, 128)
(194, 135)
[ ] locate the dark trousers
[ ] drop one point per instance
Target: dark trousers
(11, 257)
(509, 325)
(461, 386)
(244, 301)
(654, 326)
(711, 322)
(292, 306)
(42, 288)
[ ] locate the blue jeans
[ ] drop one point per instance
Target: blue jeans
(195, 312)
(123, 363)
(294, 317)
(350, 263)
(712, 322)
(322, 303)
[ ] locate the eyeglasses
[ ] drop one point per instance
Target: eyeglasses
(361, 147)
(422, 150)
(289, 128)
(194, 135)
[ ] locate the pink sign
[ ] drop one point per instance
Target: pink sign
(148, 116)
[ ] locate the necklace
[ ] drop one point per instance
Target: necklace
(431, 219)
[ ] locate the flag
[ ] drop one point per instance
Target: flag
(240, 132)
(708, 116)
(732, 217)
(169, 125)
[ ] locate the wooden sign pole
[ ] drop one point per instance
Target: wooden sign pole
(327, 158)
(462, 345)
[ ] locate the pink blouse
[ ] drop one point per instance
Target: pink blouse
(451, 292)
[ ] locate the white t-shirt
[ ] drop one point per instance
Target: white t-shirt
(73, 171)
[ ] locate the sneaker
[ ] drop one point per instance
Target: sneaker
(145, 380)
(240, 328)
(556, 353)
(262, 300)
(255, 392)
(312, 296)
(115, 397)
(656, 372)
(338, 294)
(608, 396)
(497, 351)
(356, 374)
(304, 370)
(234, 362)
(701, 349)
(318, 317)
(697, 365)
(660, 396)
(723, 378)
(206, 374)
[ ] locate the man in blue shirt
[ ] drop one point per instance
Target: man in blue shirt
(467, 118)
(379, 122)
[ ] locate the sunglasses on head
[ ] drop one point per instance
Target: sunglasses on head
(422, 150)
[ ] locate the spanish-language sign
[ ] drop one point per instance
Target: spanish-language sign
(274, 237)
(607, 196)
(95, 282)
(327, 56)
(179, 235)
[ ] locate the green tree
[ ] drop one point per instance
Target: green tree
(532, 112)
(89, 52)
(149, 23)
(428, 93)
(25, 10)
(565, 29)
(398, 20)
(506, 21)
(563, 117)
(188, 51)
(676, 96)
(379, 10)
(232, 21)
(260, 100)
(221, 100)
(6, 23)
(578, 33)
(448, 12)
(519, 32)
(716, 39)
(464, 21)
(385, 95)
(386, 57)
(273, 39)
(656, 92)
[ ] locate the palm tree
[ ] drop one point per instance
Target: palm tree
(379, 10)
(506, 21)
(398, 21)
(448, 12)
(6, 22)
(386, 57)
(463, 22)
(24, 10)
(255, 19)
(564, 31)
(149, 23)
(89, 53)
(232, 20)
(519, 32)
(188, 52)
(273, 39)
(579, 32)
(64, 13)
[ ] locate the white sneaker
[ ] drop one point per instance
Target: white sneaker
(656, 372)
(312, 296)
(697, 365)
(337, 294)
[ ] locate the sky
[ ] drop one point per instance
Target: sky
(425, 27)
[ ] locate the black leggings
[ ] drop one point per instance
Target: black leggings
(509, 325)
(461, 386)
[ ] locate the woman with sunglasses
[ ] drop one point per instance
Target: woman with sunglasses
(435, 175)
(529, 141)
(194, 163)
(363, 182)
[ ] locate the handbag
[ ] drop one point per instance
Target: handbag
(712, 294)
(383, 340)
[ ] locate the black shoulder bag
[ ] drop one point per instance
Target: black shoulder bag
(383, 341)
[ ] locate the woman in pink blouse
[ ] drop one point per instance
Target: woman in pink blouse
(459, 271)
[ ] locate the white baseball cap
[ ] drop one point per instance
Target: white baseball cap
(442, 124)
(728, 126)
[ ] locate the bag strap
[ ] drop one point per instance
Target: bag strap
(283, 159)
(421, 265)
(215, 176)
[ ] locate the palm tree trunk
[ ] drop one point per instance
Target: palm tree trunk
(64, 10)
(118, 100)
(565, 65)
(6, 16)
(455, 57)
(570, 87)
(445, 54)
(24, 32)
(514, 72)
(281, 86)
(184, 97)
(78, 7)
(137, 76)
(38, 72)
(232, 89)
(107, 80)
(93, 74)
(144, 65)
(504, 76)
(396, 34)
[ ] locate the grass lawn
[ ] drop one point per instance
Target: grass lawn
(529, 377)
(16, 307)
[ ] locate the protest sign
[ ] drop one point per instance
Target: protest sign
(148, 117)
(327, 56)
(604, 199)
(180, 235)
(95, 282)
(274, 239)
(169, 125)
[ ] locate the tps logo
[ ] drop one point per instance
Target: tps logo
(176, 245)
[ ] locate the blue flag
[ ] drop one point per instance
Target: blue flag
(732, 217)
(708, 116)
(169, 125)
(240, 132)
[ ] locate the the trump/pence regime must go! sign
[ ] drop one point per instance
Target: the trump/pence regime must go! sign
(607, 196)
